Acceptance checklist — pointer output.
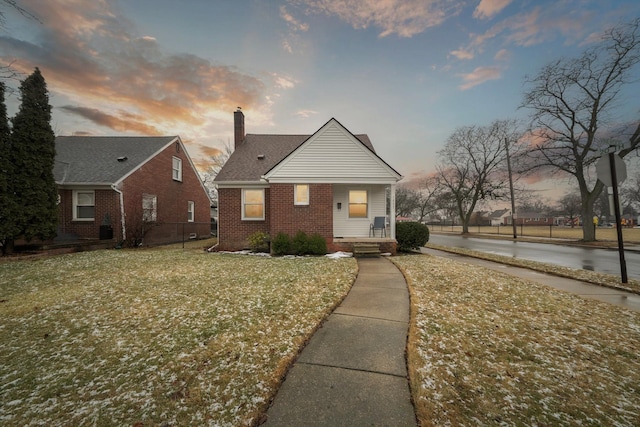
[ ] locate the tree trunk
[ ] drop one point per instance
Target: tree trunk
(7, 248)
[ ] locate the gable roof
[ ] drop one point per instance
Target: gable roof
(94, 159)
(499, 213)
(260, 154)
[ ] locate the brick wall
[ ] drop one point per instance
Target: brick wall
(233, 231)
(316, 217)
(106, 202)
(155, 177)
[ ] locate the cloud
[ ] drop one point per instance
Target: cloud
(305, 114)
(478, 76)
(91, 53)
(502, 55)
(489, 8)
(124, 121)
(405, 18)
(294, 24)
(462, 54)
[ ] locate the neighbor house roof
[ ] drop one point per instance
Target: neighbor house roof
(499, 213)
(103, 159)
(258, 154)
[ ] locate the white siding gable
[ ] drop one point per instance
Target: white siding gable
(333, 155)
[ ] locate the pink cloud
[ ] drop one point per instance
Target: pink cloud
(478, 76)
(489, 8)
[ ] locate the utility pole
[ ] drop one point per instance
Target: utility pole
(513, 201)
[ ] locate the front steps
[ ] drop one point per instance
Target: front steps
(366, 249)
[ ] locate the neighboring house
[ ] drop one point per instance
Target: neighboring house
(143, 190)
(500, 217)
(332, 183)
(479, 218)
(534, 218)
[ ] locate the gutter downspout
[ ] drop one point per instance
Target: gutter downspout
(122, 216)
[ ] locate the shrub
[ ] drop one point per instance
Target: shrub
(300, 243)
(317, 245)
(411, 235)
(259, 241)
(281, 244)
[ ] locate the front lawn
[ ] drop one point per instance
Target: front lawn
(486, 348)
(152, 337)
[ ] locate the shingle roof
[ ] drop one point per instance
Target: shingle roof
(248, 164)
(94, 159)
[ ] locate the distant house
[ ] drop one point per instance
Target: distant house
(479, 218)
(331, 182)
(534, 218)
(500, 217)
(144, 190)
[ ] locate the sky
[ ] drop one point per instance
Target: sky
(405, 72)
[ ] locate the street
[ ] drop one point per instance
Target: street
(601, 260)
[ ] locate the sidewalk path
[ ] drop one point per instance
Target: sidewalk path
(618, 297)
(353, 370)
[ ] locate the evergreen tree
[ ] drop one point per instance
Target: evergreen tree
(33, 157)
(7, 202)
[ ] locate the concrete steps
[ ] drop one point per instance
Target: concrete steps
(366, 249)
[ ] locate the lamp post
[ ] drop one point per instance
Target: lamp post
(513, 201)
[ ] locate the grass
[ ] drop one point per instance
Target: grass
(164, 336)
(594, 277)
(603, 234)
(486, 348)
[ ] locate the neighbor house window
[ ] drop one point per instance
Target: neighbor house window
(253, 204)
(149, 207)
(357, 203)
(84, 205)
(191, 210)
(301, 194)
(177, 169)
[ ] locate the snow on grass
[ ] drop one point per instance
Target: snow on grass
(490, 349)
(155, 336)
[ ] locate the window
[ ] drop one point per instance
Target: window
(177, 169)
(149, 207)
(191, 210)
(357, 203)
(84, 205)
(301, 194)
(253, 204)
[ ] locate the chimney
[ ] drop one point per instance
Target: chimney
(238, 128)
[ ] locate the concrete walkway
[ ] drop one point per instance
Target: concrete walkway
(618, 297)
(353, 370)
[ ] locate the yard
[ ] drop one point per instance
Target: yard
(168, 336)
(607, 234)
(148, 337)
(490, 349)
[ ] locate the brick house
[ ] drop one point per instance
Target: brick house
(143, 190)
(332, 183)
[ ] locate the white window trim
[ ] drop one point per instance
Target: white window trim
(176, 161)
(244, 218)
(191, 211)
(75, 205)
(296, 202)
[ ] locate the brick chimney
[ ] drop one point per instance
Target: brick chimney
(238, 128)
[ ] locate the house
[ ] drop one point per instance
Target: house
(139, 190)
(534, 218)
(331, 182)
(500, 217)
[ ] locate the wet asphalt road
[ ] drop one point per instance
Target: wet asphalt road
(601, 260)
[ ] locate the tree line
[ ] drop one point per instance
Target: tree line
(572, 104)
(28, 193)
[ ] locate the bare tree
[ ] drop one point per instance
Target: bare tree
(407, 201)
(215, 164)
(630, 192)
(571, 100)
(570, 205)
(472, 166)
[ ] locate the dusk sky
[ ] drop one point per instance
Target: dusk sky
(407, 73)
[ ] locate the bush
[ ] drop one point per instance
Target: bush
(317, 245)
(300, 243)
(281, 244)
(259, 241)
(411, 235)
